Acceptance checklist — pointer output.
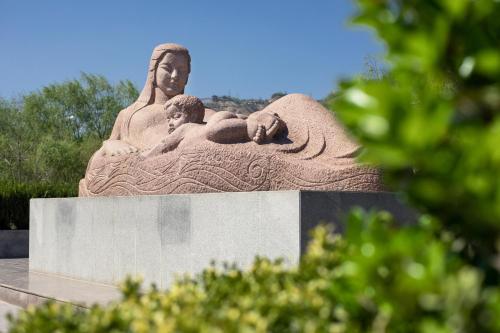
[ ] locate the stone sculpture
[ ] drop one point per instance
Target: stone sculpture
(167, 142)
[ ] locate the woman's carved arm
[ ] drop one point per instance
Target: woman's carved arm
(115, 145)
(115, 133)
(169, 143)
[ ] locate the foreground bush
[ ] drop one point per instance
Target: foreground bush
(433, 122)
(377, 278)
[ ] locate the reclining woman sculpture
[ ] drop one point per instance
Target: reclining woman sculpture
(167, 142)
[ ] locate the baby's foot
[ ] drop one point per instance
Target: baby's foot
(260, 135)
(275, 125)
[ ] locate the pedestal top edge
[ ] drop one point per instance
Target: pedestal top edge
(212, 194)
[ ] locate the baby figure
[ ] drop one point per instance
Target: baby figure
(185, 126)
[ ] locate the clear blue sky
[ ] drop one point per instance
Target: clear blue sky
(242, 48)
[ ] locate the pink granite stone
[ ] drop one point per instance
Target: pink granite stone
(167, 142)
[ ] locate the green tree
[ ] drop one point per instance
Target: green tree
(15, 146)
(78, 108)
(49, 135)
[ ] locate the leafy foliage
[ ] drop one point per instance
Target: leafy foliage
(377, 278)
(433, 123)
(49, 136)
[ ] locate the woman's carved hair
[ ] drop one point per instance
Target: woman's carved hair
(190, 105)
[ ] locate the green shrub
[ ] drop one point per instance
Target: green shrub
(433, 122)
(376, 278)
(15, 197)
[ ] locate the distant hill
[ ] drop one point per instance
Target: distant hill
(233, 104)
(239, 105)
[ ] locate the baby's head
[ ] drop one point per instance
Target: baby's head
(183, 109)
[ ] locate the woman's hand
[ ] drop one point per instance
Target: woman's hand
(117, 148)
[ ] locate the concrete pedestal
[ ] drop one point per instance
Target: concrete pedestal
(105, 239)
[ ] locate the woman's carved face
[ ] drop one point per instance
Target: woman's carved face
(172, 74)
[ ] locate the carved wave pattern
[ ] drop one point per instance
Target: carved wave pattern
(212, 168)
